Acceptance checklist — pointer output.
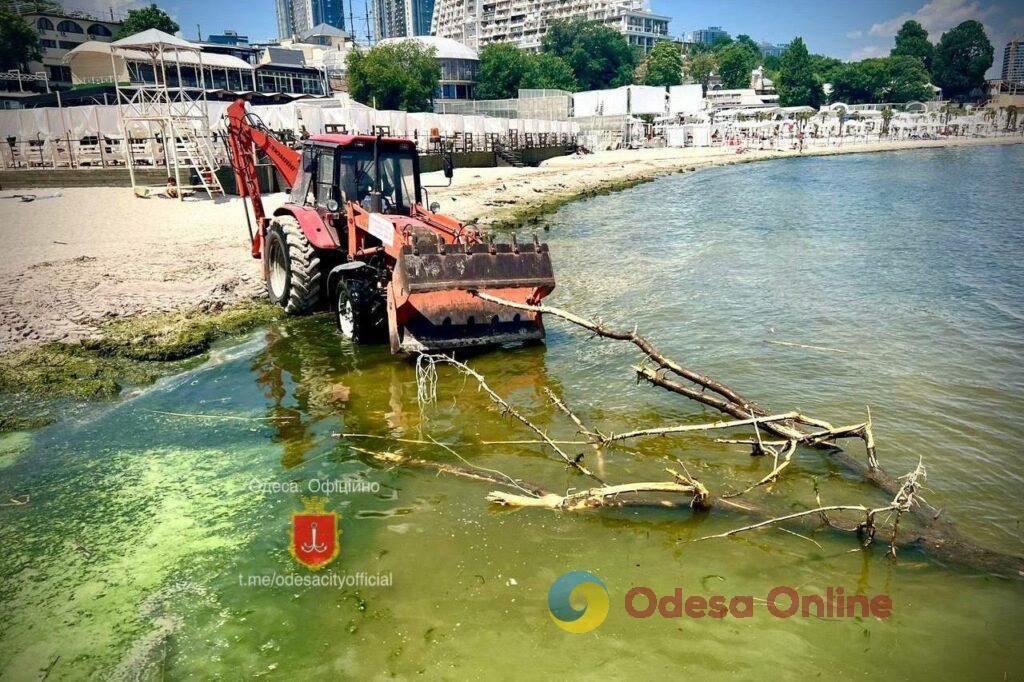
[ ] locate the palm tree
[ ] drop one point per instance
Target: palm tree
(841, 114)
(947, 113)
(886, 117)
(1011, 117)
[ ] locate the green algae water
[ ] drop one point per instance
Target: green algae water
(155, 543)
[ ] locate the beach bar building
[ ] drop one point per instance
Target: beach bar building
(95, 62)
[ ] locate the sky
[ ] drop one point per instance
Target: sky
(847, 30)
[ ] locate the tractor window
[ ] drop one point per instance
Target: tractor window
(303, 189)
(399, 183)
(325, 178)
(398, 180)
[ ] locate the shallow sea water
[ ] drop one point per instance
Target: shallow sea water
(132, 558)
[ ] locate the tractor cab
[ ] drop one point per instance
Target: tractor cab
(337, 170)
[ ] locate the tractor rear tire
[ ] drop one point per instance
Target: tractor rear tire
(360, 311)
(294, 276)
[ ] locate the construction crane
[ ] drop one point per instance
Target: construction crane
(355, 235)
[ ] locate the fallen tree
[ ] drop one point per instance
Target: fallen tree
(931, 532)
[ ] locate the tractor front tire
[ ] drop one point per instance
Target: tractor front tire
(360, 312)
(294, 277)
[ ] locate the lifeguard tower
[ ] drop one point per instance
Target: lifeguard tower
(162, 109)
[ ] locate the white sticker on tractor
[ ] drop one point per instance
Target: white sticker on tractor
(382, 228)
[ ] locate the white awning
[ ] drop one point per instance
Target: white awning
(153, 38)
(220, 61)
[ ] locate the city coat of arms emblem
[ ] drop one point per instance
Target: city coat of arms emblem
(314, 534)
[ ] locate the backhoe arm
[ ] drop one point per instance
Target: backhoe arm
(246, 134)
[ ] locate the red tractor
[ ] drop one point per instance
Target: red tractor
(357, 235)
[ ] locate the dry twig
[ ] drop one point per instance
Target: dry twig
(425, 366)
(637, 340)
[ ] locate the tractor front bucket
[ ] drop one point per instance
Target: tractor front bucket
(430, 306)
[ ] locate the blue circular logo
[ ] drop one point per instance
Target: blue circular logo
(582, 586)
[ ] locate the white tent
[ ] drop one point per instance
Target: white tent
(615, 102)
(646, 99)
(687, 100)
(185, 58)
(396, 121)
(153, 39)
(586, 103)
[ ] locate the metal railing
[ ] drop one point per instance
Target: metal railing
(93, 152)
(148, 152)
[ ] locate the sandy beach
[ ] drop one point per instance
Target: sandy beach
(77, 257)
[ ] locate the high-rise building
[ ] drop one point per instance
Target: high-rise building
(1013, 62)
(709, 35)
(299, 16)
(641, 28)
(773, 50)
(388, 19)
(285, 18)
(228, 37)
(421, 16)
(401, 18)
(525, 22)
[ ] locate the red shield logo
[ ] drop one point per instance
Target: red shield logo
(314, 535)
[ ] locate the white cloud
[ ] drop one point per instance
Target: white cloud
(936, 17)
(868, 51)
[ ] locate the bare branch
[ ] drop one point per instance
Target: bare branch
(633, 337)
(730, 408)
(425, 360)
(489, 476)
(605, 496)
(777, 469)
(904, 500)
(374, 436)
(689, 428)
(593, 435)
(779, 519)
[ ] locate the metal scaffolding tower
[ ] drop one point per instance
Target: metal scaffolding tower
(160, 105)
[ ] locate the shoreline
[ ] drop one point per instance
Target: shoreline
(559, 181)
(80, 293)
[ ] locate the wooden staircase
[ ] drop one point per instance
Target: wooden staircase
(198, 155)
(511, 157)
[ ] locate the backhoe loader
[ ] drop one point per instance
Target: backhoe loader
(355, 235)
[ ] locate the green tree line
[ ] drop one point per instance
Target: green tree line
(580, 55)
(957, 64)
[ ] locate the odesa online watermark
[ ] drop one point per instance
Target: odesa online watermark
(780, 602)
(579, 602)
(314, 486)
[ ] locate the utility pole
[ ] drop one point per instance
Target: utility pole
(366, 6)
(199, 34)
